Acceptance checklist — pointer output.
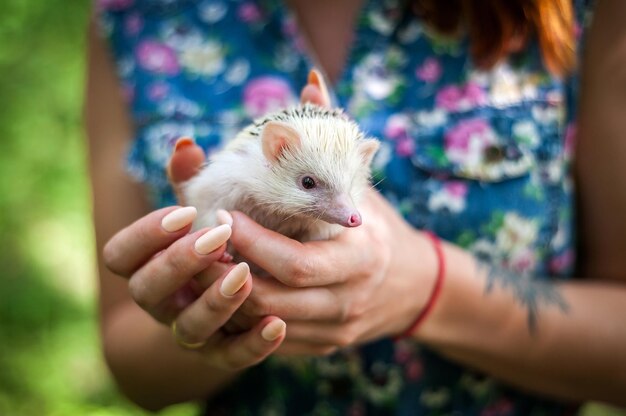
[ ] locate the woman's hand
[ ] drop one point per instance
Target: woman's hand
(168, 270)
(368, 283)
(161, 259)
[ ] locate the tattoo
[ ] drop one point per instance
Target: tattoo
(531, 294)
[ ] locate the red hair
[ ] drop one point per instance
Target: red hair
(499, 27)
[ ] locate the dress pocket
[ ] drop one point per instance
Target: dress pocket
(487, 145)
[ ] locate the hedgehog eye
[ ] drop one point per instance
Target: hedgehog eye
(308, 182)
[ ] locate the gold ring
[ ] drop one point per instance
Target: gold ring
(188, 345)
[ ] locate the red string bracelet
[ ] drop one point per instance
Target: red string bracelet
(441, 272)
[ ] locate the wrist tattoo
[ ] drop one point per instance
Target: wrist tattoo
(531, 294)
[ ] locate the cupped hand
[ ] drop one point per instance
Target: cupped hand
(368, 283)
(166, 266)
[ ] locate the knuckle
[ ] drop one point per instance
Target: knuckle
(351, 311)
(346, 337)
(343, 341)
(353, 314)
(300, 270)
(345, 310)
(255, 306)
(110, 254)
(140, 294)
(176, 263)
(213, 305)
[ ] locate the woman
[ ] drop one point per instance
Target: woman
(469, 104)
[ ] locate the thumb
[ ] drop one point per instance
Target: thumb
(184, 163)
(315, 91)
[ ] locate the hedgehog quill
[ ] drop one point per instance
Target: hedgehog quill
(299, 172)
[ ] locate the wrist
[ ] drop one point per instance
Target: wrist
(435, 286)
(464, 316)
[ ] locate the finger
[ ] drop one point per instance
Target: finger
(163, 275)
(215, 306)
(184, 164)
(314, 263)
(311, 94)
(324, 333)
(295, 349)
(274, 298)
(210, 275)
(319, 93)
(250, 348)
(134, 245)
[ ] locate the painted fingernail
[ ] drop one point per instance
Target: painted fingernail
(212, 239)
(179, 218)
(235, 279)
(183, 142)
(224, 217)
(273, 330)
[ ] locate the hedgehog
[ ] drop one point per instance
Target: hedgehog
(299, 172)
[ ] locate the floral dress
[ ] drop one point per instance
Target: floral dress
(480, 157)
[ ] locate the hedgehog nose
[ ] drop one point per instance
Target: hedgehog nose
(354, 220)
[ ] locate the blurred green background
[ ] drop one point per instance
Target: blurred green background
(50, 362)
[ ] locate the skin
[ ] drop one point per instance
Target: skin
(563, 339)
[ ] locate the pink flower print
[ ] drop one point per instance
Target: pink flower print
(133, 24)
(414, 370)
(405, 147)
(570, 138)
(249, 13)
(113, 4)
(451, 197)
(474, 94)
(562, 262)
(157, 57)
(522, 261)
(449, 98)
(265, 94)
(453, 98)
(290, 27)
(466, 142)
(456, 189)
(402, 352)
(578, 31)
(430, 70)
(459, 137)
(500, 408)
(397, 126)
(158, 91)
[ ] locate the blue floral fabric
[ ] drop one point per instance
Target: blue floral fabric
(480, 157)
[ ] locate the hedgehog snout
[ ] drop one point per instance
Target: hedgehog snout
(340, 210)
(354, 220)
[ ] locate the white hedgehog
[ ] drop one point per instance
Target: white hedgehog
(298, 172)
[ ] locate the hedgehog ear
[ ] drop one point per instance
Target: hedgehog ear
(276, 138)
(368, 149)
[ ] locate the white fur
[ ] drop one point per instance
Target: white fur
(240, 178)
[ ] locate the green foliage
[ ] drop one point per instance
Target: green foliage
(49, 355)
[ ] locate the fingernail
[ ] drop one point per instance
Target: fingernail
(178, 219)
(273, 330)
(235, 279)
(224, 217)
(212, 239)
(183, 142)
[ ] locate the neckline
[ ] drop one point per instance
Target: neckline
(286, 13)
